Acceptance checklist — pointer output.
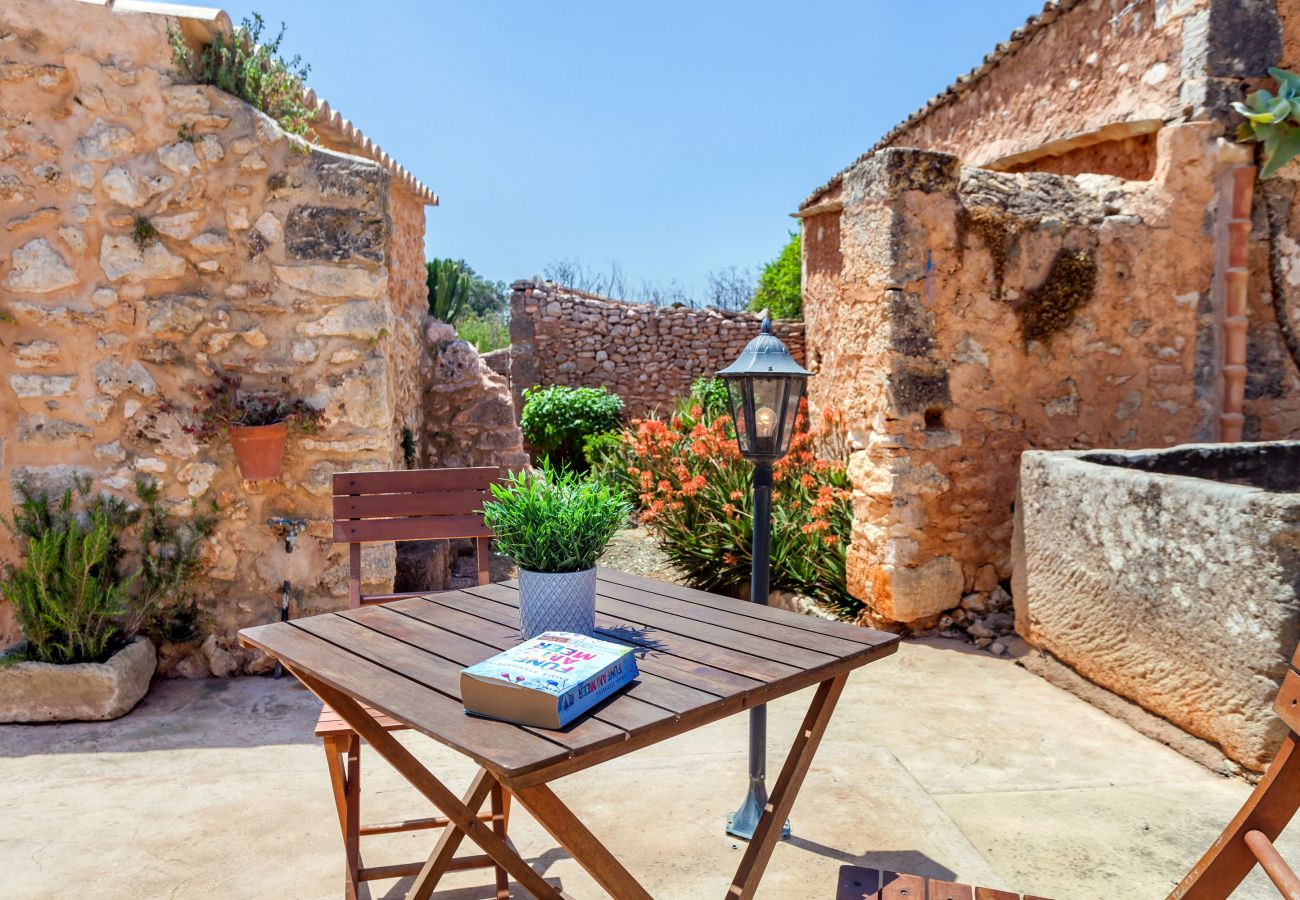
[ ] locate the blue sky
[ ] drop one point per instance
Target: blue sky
(672, 137)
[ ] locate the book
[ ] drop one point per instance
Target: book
(547, 681)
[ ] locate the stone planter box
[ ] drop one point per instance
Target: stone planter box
(43, 692)
(1171, 577)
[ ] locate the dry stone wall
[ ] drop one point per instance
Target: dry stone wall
(153, 234)
(967, 315)
(648, 355)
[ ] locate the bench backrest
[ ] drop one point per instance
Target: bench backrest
(410, 505)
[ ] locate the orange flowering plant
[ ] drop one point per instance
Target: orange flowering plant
(696, 497)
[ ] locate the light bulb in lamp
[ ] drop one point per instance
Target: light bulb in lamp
(764, 422)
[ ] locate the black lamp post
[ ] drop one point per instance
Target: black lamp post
(764, 385)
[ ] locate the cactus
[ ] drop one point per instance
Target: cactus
(448, 289)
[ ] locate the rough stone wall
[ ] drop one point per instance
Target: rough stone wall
(980, 314)
(408, 295)
(648, 355)
(469, 414)
(267, 260)
(1099, 63)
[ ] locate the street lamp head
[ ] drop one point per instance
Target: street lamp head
(764, 385)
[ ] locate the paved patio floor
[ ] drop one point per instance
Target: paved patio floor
(940, 760)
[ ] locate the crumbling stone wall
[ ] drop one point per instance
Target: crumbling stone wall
(648, 355)
(977, 314)
(155, 233)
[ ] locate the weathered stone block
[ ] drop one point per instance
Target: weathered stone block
(115, 377)
(120, 257)
(887, 173)
(1169, 577)
(334, 281)
(38, 269)
(42, 385)
(326, 232)
(40, 429)
(43, 692)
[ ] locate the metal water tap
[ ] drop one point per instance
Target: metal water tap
(289, 529)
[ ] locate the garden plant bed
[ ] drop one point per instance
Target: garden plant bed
(45, 692)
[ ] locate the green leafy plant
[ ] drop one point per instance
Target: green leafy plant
(76, 597)
(557, 419)
(69, 591)
(554, 520)
(242, 64)
(607, 456)
(448, 289)
(710, 394)
(780, 286)
(224, 404)
(487, 332)
(697, 499)
(1273, 121)
(171, 558)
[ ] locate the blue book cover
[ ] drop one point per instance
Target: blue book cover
(547, 681)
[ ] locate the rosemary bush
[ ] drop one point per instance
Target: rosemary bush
(76, 598)
(554, 521)
(241, 64)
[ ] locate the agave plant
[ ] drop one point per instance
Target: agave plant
(448, 289)
(1273, 120)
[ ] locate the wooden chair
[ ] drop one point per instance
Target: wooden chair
(412, 505)
(1247, 840)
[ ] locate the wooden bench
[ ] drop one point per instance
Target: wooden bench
(1246, 841)
(411, 505)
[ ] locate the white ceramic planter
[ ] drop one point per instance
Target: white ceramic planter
(43, 692)
(551, 601)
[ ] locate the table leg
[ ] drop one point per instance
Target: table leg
(761, 845)
(582, 845)
(500, 810)
(424, 781)
(450, 839)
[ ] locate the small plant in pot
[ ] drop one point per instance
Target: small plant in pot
(555, 524)
(257, 422)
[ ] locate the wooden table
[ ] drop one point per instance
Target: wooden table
(702, 657)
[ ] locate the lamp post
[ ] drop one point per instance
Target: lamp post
(764, 386)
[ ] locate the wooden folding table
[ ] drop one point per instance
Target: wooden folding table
(701, 657)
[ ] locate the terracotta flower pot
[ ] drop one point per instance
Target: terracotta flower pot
(259, 449)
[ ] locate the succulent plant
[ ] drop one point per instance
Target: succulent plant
(1273, 120)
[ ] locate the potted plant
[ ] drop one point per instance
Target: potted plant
(554, 525)
(82, 608)
(257, 422)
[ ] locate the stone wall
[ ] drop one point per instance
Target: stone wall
(154, 234)
(969, 315)
(648, 355)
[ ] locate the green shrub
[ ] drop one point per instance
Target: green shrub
(241, 64)
(697, 499)
(607, 459)
(487, 332)
(557, 419)
(70, 591)
(554, 521)
(75, 597)
(780, 286)
(710, 394)
(1273, 121)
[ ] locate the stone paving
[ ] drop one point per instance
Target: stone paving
(941, 759)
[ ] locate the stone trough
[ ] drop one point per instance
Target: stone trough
(1171, 577)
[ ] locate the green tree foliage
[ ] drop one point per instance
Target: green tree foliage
(780, 286)
(557, 419)
(241, 64)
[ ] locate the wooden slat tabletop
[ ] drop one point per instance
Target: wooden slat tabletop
(701, 657)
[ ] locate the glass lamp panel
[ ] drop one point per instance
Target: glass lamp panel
(739, 417)
(791, 411)
(768, 396)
